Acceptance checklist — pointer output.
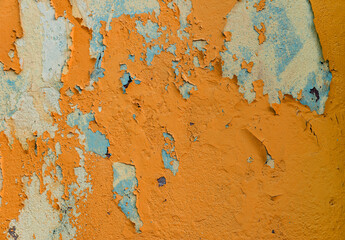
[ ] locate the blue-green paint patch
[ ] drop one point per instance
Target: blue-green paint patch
(131, 57)
(149, 30)
(123, 67)
(98, 71)
(94, 141)
(174, 64)
(78, 88)
(167, 135)
(269, 161)
(175, 67)
(168, 153)
(151, 52)
(124, 184)
(126, 79)
(186, 88)
(172, 49)
(210, 67)
(137, 82)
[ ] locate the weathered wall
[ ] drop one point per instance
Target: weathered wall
(172, 119)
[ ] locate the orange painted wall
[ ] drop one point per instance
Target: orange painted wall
(224, 188)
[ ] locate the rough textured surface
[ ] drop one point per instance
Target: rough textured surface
(172, 119)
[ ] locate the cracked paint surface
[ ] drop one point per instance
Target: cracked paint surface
(172, 119)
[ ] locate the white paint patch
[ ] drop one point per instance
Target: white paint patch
(37, 212)
(83, 178)
(38, 217)
(29, 98)
(27, 121)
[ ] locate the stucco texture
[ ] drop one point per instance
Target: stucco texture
(172, 119)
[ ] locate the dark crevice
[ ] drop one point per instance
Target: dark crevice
(316, 93)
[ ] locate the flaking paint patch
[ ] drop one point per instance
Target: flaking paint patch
(200, 45)
(83, 186)
(124, 184)
(169, 154)
(94, 141)
(148, 30)
(186, 88)
(38, 212)
(290, 60)
(34, 93)
(184, 7)
(85, 147)
(94, 12)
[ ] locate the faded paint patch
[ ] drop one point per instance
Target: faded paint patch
(149, 30)
(124, 185)
(290, 60)
(94, 141)
(186, 88)
(168, 153)
(38, 212)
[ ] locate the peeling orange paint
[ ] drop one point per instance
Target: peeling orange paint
(224, 188)
(261, 32)
(260, 6)
(248, 66)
